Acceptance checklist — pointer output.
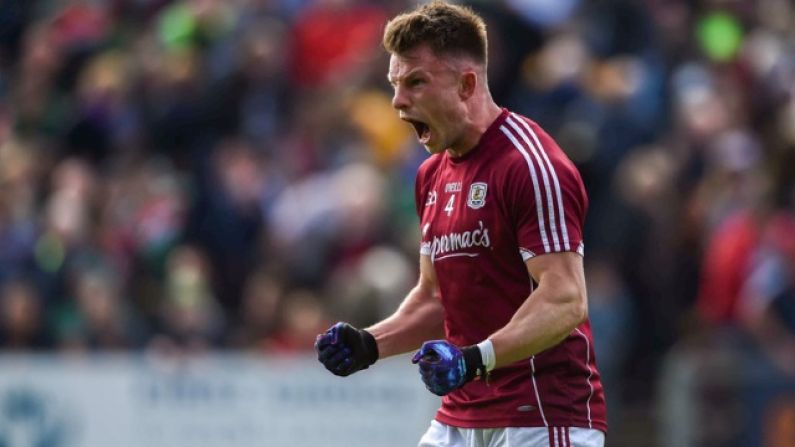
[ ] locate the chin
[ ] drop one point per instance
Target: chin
(433, 150)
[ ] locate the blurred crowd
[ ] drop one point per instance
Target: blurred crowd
(186, 175)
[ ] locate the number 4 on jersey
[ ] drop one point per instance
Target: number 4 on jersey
(449, 206)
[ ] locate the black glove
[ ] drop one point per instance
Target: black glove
(343, 349)
(445, 367)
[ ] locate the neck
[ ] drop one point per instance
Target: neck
(480, 114)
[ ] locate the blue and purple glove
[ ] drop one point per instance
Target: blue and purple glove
(445, 367)
(343, 349)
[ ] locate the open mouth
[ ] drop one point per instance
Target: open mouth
(422, 129)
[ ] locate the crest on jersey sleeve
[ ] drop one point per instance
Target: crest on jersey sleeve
(431, 198)
(477, 195)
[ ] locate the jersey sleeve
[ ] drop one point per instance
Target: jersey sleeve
(420, 190)
(547, 194)
(424, 196)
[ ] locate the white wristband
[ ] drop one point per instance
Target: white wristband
(487, 354)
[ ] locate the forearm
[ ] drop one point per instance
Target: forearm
(545, 319)
(419, 318)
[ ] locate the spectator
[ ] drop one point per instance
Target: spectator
(22, 315)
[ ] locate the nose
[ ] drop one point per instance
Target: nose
(399, 99)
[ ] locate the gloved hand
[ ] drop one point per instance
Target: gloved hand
(445, 367)
(344, 349)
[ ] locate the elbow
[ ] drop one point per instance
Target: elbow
(582, 310)
(578, 305)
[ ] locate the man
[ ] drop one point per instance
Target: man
(500, 309)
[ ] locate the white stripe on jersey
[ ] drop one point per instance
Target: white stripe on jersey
(550, 201)
(535, 388)
(539, 206)
(561, 213)
(590, 374)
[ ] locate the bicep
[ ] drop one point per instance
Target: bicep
(563, 271)
(427, 282)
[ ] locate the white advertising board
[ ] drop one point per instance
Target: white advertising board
(214, 401)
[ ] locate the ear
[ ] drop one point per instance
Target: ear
(467, 84)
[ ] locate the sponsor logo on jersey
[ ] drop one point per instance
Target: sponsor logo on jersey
(431, 199)
(454, 244)
(477, 195)
(452, 187)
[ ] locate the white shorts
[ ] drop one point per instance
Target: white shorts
(442, 435)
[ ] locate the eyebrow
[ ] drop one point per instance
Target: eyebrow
(413, 73)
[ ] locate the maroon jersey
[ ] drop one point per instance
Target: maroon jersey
(514, 196)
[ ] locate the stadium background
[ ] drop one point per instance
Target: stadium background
(186, 181)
